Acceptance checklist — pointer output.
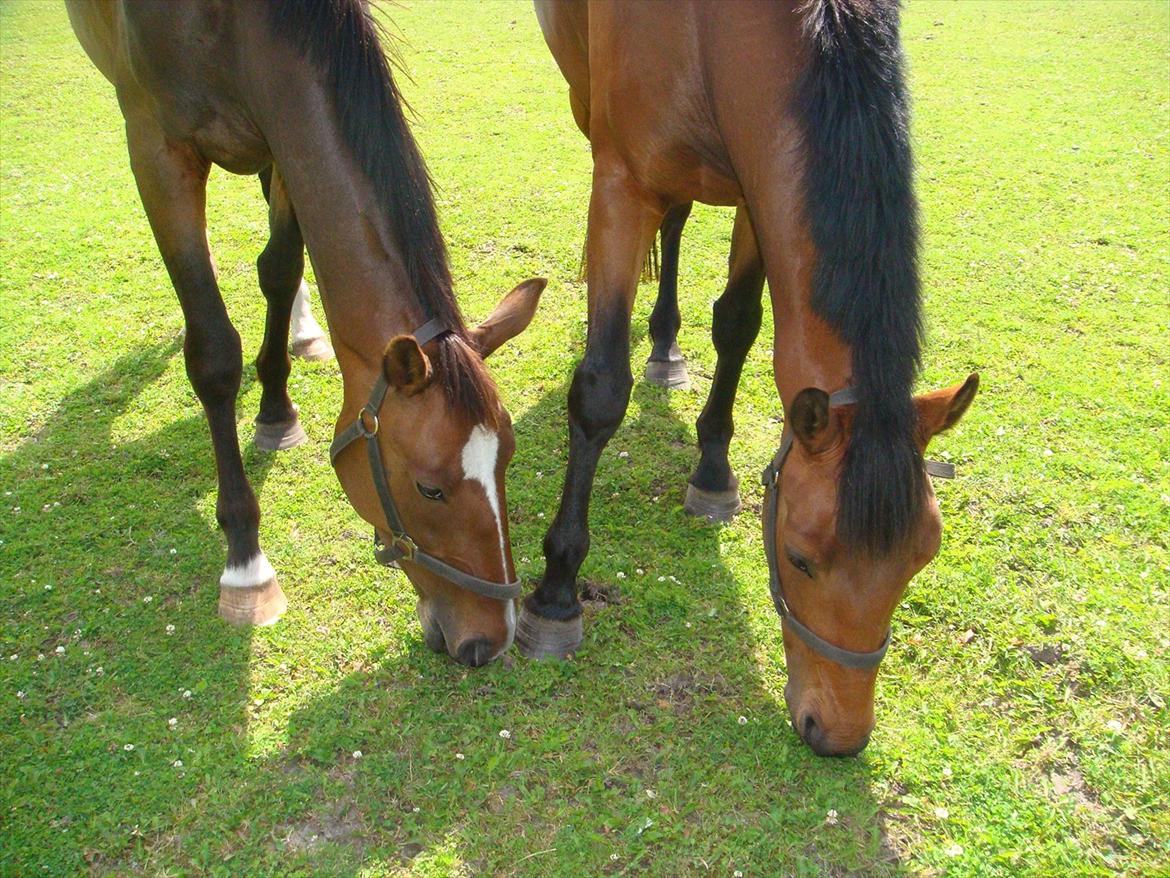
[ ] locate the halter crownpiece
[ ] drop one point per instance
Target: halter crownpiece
(771, 481)
(401, 546)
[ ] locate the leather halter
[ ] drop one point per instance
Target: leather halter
(771, 481)
(401, 546)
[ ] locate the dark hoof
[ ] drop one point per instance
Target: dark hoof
(538, 637)
(256, 605)
(714, 505)
(280, 436)
(313, 348)
(671, 374)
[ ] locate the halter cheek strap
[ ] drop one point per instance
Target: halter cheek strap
(401, 546)
(771, 481)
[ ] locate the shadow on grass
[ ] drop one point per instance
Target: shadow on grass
(633, 749)
(630, 757)
(110, 606)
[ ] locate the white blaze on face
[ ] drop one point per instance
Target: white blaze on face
(479, 463)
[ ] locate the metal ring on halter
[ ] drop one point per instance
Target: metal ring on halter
(364, 431)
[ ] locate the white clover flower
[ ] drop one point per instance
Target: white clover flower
(48, 587)
(170, 629)
(174, 551)
(613, 858)
(651, 794)
(942, 813)
(178, 763)
(955, 850)
(13, 657)
(1114, 725)
(357, 754)
(186, 693)
(662, 579)
(40, 656)
(60, 650)
(147, 599)
(505, 734)
(831, 817)
(742, 721)
(415, 809)
(460, 756)
(640, 572)
(173, 721)
(737, 874)
(946, 772)
(19, 693)
(621, 575)
(127, 747)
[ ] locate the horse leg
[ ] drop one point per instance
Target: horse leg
(623, 219)
(280, 268)
(666, 365)
(172, 179)
(309, 340)
(713, 490)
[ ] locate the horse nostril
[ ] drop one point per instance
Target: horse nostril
(475, 653)
(808, 728)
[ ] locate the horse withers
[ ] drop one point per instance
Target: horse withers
(796, 114)
(300, 92)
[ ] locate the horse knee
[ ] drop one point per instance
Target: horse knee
(736, 322)
(600, 394)
(279, 274)
(214, 364)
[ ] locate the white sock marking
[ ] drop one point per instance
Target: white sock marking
(304, 324)
(256, 571)
(479, 463)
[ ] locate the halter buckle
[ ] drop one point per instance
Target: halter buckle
(404, 544)
(364, 419)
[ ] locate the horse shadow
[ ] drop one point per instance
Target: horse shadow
(110, 567)
(408, 757)
(414, 760)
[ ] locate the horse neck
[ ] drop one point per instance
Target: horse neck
(360, 270)
(806, 352)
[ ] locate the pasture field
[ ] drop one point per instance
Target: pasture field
(1022, 728)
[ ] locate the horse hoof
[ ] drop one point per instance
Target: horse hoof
(313, 348)
(254, 605)
(713, 505)
(539, 638)
(280, 436)
(671, 374)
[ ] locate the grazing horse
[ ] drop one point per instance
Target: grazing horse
(300, 93)
(796, 114)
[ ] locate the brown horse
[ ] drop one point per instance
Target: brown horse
(300, 93)
(796, 113)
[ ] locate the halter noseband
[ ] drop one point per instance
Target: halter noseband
(401, 545)
(771, 481)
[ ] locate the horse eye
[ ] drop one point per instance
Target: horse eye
(429, 492)
(798, 562)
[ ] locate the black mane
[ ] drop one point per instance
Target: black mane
(342, 39)
(853, 109)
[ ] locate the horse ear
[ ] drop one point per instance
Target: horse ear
(811, 422)
(509, 318)
(405, 366)
(941, 409)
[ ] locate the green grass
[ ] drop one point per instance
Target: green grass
(1044, 173)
